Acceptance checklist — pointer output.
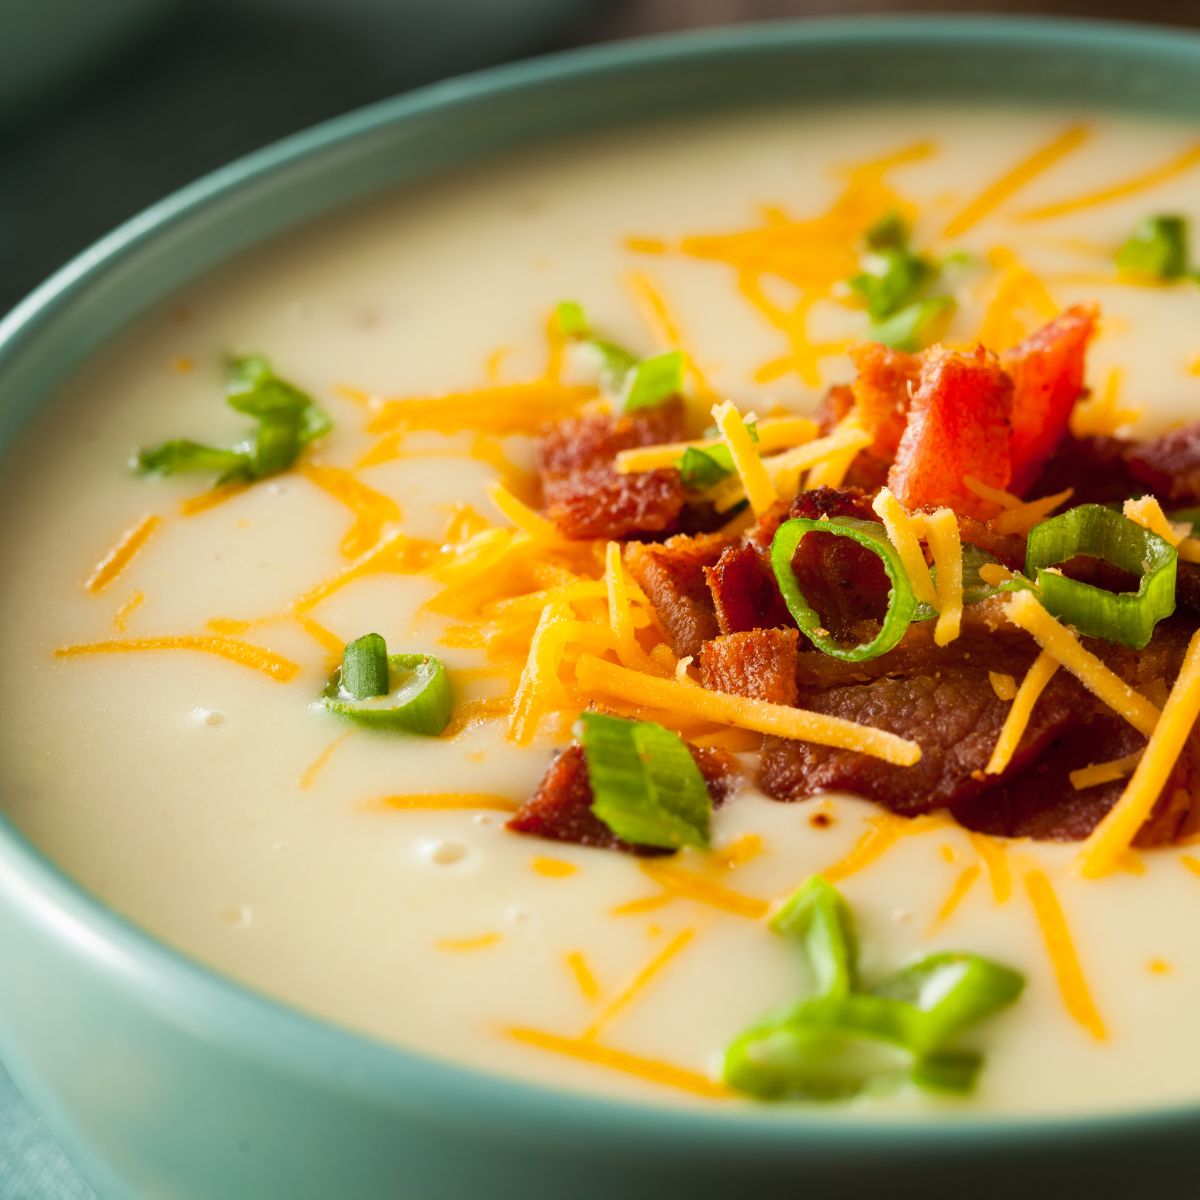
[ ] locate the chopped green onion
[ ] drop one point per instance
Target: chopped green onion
(654, 380)
(901, 604)
(646, 786)
(365, 667)
(892, 279)
(416, 692)
(846, 1041)
(287, 421)
(888, 233)
(975, 588)
(700, 469)
(1128, 618)
(572, 322)
(948, 992)
(914, 325)
(817, 916)
(1157, 248)
(181, 454)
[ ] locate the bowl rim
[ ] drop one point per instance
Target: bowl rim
(294, 1042)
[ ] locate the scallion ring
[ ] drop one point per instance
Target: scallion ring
(406, 692)
(901, 604)
(1127, 618)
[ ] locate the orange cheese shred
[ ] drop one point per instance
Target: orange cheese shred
(274, 666)
(122, 554)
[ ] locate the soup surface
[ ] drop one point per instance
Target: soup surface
(199, 787)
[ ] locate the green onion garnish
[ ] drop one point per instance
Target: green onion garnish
(287, 421)
(700, 469)
(895, 285)
(846, 1040)
(408, 692)
(1097, 532)
(646, 786)
(365, 667)
(901, 603)
(654, 380)
(913, 326)
(640, 383)
(817, 915)
(975, 588)
(1157, 248)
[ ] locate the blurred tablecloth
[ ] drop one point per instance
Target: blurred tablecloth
(203, 94)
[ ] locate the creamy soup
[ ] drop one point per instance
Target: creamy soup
(196, 784)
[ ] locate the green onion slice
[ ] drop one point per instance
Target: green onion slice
(914, 325)
(948, 992)
(819, 918)
(975, 588)
(893, 278)
(654, 380)
(700, 469)
(1128, 618)
(288, 420)
(646, 786)
(901, 604)
(365, 668)
(415, 696)
(847, 1040)
(1158, 248)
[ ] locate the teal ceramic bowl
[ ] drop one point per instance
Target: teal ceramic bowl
(163, 1079)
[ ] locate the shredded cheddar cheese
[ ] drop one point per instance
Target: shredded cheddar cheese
(749, 467)
(946, 546)
(1148, 513)
(1061, 644)
(463, 945)
(521, 515)
(774, 433)
(373, 511)
(1005, 686)
(690, 886)
(649, 1070)
(126, 610)
(993, 852)
(314, 768)
(1013, 180)
(884, 830)
(583, 975)
(1060, 946)
(274, 666)
(553, 868)
(1179, 165)
(440, 801)
(1021, 518)
(1017, 720)
(639, 983)
(505, 408)
(1104, 772)
(1115, 833)
(539, 678)
(963, 883)
(122, 554)
(904, 532)
(595, 675)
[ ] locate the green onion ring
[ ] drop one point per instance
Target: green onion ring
(901, 603)
(418, 699)
(1127, 618)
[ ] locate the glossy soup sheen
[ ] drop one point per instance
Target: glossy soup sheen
(218, 805)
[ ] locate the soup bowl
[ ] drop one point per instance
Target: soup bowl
(163, 1078)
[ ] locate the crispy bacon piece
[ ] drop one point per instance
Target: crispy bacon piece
(885, 381)
(1169, 466)
(759, 664)
(672, 574)
(561, 808)
(949, 707)
(596, 502)
(835, 406)
(1047, 373)
(1042, 803)
(958, 425)
(595, 439)
(744, 592)
(582, 493)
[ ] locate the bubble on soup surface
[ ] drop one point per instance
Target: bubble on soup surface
(445, 851)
